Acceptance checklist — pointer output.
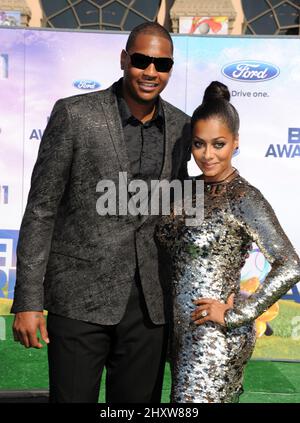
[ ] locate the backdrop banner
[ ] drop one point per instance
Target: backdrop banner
(37, 67)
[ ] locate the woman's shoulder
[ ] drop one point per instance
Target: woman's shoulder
(247, 199)
(241, 187)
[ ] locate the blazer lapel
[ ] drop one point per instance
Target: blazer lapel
(112, 116)
(170, 127)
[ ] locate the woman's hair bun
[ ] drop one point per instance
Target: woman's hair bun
(216, 104)
(216, 91)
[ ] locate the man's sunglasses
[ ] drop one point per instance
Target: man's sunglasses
(140, 61)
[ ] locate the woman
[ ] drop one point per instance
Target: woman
(213, 334)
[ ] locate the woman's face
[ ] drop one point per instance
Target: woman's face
(213, 145)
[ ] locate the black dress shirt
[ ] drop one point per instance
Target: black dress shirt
(144, 141)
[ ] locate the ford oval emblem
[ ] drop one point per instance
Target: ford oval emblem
(250, 71)
(86, 84)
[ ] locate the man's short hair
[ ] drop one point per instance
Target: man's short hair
(150, 28)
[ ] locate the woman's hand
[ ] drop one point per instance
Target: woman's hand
(209, 310)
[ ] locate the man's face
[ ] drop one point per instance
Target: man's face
(144, 85)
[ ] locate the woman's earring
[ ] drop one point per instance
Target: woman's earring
(236, 151)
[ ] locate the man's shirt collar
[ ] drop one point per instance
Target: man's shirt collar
(128, 118)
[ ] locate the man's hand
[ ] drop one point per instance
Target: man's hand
(25, 326)
(209, 310)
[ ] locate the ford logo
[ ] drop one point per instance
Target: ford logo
(250, 71)
(86, 84)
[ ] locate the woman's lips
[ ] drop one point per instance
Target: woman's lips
(209, 165)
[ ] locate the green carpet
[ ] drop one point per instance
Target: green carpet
(271, 382)
(265, 381)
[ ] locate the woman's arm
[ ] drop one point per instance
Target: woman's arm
(258, 219)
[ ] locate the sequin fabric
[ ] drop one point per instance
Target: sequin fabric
(206, 260)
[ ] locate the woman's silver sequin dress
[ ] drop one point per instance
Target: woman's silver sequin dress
(206, 260)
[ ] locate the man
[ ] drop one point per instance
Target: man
(101, 279)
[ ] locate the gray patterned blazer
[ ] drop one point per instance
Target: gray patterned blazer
(70, 260)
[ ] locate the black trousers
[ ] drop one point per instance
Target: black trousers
(133, 352)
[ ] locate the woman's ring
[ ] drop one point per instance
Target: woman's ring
(204, 313)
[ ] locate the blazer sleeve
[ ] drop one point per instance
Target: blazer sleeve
(48, 182)
(258, 219)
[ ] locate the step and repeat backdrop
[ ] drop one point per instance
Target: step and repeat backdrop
(37, 67)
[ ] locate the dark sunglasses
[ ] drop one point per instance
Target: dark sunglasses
(140, 61)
